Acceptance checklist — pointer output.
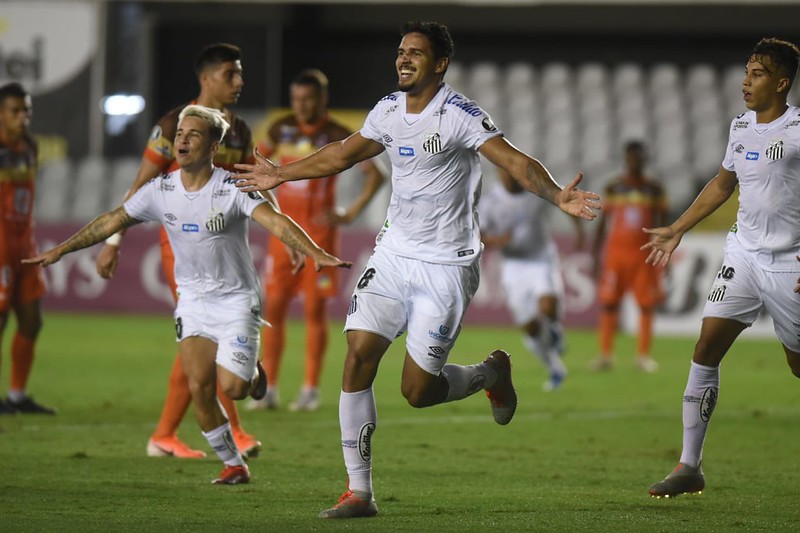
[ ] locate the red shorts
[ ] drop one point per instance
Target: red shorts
(19, 283)
(627, 271)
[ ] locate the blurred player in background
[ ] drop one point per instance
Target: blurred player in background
(21, 286)
(219, 73)
(425, 268)
(515, 222)
(313, 205)
(218, 313)
(630, 203)
(760, 267)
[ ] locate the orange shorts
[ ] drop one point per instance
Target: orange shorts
(627, 271)
(278, 275)
(19, 283)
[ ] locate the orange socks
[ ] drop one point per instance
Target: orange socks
(645, 332)
(21, 361)
(608, 327)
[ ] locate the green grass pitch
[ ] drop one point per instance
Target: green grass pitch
(579, 459)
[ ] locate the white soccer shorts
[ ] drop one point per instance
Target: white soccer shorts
(525, 281)
(236, 328)
(742, 289)
(427, 300)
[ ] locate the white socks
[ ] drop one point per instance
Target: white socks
(221, 441)
(464, 381)
(358, 417)
(699, 400)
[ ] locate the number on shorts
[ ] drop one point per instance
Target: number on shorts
(366, 278)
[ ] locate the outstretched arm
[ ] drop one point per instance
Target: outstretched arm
(664, 240)
(293, 235)
(331, 159)
(95, 231)
(534, 177)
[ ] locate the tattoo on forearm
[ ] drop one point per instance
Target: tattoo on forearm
(98, 229)
(292, 236)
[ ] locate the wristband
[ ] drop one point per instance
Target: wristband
(115, 239)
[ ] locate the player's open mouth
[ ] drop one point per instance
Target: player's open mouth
(746, 95)
(183, 151)
(405, 73)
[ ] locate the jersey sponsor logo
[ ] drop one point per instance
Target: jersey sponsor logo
(441, 337)
(739, 148)
(433, 143)
(221, 193)
(751, 156)
(365, 441)
(439, 112)
(166, 187)
(392, 97)
(717, 293)
(726, 273)
(390, 110)
(741, 124)
(468, 107)
(190, 228)
(774, 150)
(792, 124)
(406, 151)
(488, 125)
(215, 222)
(464, 253)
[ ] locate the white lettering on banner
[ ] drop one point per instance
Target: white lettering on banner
(579, 285)
(43, 45)
(62, 280)
(150, 276)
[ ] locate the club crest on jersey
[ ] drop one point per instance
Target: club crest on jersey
(774, 150)
(433, 143)
(215, 222)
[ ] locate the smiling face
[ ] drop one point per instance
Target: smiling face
(223, 82)
(763, 86)
(194, 147)
(417, 69)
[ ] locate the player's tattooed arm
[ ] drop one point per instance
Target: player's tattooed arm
(95, 231)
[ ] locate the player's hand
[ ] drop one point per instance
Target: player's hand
(327, 260)
(297, 258)
(45, 258)
(663, 242)
(107, 260)
(262, 176)
(577, 202)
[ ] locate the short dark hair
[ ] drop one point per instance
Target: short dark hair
(634, 145)
(12, 90)
(783, 56)
(437, 34)
(312, 77)
(214, 54)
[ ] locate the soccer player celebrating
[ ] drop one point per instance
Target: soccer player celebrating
(312, 204)
(424, 270)
(21, 286)
(218, 314)
(219, 73)
(760, 269)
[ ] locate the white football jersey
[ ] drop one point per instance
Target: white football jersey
(523, 215)
(766, 160)
(208, 233)
(436, 175)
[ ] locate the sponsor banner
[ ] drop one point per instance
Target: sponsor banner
(44, 45)
(139, 286)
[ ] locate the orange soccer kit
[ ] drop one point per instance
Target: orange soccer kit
(18, 283)
(306, 201)
(630, 206)
(236, 147)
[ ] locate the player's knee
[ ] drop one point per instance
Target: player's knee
(235, 389)
(415, 396)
